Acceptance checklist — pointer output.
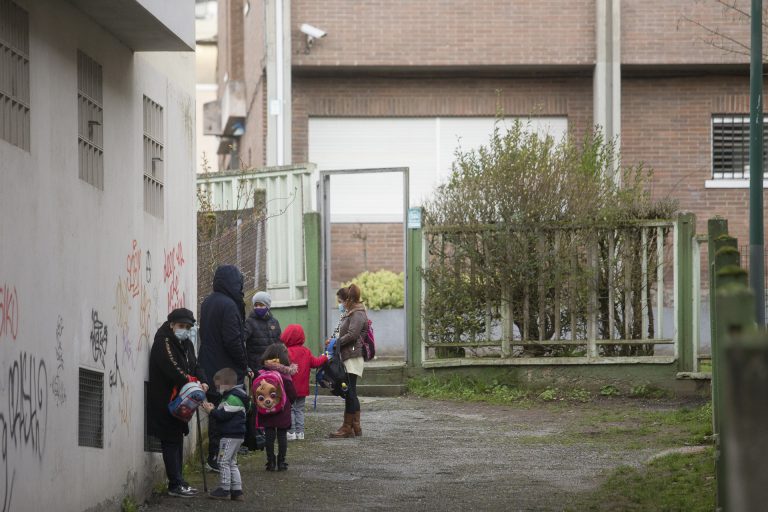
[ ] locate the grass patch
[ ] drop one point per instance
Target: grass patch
(674, 482)
(472, 390)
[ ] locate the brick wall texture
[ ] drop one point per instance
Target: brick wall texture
(253, 146)
(359, 247)
(457, 58)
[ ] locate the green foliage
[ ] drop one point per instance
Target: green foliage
(509, 232)
(473, 390)
(381, 290)
(128, 505)
(609, 390)
(674, 482)
(647, 391)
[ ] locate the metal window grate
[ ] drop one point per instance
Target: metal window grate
(90, 119)
(730, 146)
(14, 75)
(153, 158)
(90, 431)
(151, 443)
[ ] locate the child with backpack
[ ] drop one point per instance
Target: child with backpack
(230, 417)
(273, 393)
(293, 337)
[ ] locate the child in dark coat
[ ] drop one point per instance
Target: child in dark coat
(276, 424)
(230, 418)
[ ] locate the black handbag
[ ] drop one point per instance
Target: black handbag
(333, 374)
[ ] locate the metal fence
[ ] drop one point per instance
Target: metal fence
(287, 196)
(585, 295)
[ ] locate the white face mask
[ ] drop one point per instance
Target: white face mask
(181, 334)
(342, 309)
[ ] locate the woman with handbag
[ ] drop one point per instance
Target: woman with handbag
(172, 364)
(352, 327)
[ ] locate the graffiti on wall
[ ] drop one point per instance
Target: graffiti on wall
(57, 383)
(9, 312)
(98, 338)
(173, 263)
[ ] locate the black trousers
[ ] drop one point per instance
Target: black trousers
(173, 458)
(282, 442)
(351, 402)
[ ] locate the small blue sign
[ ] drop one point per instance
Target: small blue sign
(414, 218)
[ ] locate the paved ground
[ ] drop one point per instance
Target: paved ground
(428, 456)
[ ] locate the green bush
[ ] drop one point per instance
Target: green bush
(381, 290)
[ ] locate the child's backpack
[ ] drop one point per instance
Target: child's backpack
(184, 403)
(268, 392)
(369, 343)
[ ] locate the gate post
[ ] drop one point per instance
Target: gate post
(685, 229)
(413, 288)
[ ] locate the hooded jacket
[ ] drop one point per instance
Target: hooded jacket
(231, 412)
(259, 334)
(293, 337)
(353, 326)
(221, 324)
(171, 364)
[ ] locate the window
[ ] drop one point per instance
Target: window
(730, 146)
(14, 74)
(90, 116)
(90, 418)
(153, 158)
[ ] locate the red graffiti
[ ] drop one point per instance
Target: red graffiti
(9, 312)
(134, 270)
(173, 258)
(172, 262)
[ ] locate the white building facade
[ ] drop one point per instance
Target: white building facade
(97, 238)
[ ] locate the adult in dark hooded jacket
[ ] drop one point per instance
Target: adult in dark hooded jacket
(261, 329)
(221, 339)
(172, 364)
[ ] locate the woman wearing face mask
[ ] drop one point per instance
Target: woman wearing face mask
(353, 325)
(172, 364)
(261, 329)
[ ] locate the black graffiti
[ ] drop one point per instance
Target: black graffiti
(28, 402)
(57, 383)
(98, 338)
(9, 475)
(148, 268)
(115, 375)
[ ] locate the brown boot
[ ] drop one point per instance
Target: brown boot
(356, 424)
(346, 428)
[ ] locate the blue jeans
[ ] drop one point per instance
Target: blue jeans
(297, 415)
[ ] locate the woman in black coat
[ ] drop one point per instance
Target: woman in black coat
(261, 329)
(172, 364)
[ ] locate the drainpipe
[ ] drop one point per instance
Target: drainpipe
(278, 33)
(607, 76)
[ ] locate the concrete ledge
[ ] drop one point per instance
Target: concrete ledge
(694, 376)
(546, 361)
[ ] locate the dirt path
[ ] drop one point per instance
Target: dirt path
(428, 456)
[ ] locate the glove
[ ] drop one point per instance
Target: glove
(329, 348)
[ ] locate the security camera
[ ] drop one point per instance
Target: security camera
(312, 32)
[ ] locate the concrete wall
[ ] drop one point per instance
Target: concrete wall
(86, 276)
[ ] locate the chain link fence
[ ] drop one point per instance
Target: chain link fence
(233, 237)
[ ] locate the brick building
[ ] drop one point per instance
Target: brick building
(647, 71)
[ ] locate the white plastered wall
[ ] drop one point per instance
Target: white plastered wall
(69, 251)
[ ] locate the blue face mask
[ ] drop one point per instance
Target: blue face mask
(342, 309)
(261, 312)
(181, 334)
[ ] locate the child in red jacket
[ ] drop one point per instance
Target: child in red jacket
(293, 337)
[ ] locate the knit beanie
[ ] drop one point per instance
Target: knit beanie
(262, 297)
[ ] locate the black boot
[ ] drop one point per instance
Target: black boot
(270, 462)
(281, 464)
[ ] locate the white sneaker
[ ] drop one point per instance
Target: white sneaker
(291, 436)
(300, 436)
